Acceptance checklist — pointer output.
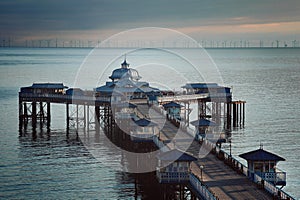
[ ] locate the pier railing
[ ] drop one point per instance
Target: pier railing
(160, 144)
(272, 189)
(193, 97)
(274, 177)
(172, 177)
(186, 97)
(201, 188)
(63, 97)
(264, 180)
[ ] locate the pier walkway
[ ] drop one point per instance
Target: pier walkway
(222, 181)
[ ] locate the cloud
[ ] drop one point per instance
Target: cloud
(77, 15)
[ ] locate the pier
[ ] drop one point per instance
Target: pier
(130, 111)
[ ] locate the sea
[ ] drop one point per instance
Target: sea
(51, 164)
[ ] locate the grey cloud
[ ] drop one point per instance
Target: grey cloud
(100, 14)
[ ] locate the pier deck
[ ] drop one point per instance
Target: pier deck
(222, 180)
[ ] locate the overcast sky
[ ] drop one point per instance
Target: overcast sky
(201, 19)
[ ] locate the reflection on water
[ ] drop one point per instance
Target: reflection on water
(56, 164)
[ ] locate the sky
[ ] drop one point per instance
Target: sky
(200, 19)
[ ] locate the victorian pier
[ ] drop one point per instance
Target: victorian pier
(141, 118)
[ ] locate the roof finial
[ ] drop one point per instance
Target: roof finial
(261, 145)
(125, 64)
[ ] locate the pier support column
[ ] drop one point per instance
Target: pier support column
(33, 113)
(67, 116)
(243, 113)
(84, 117)
(21, 115)
(77, 120)
(228, 105)
(237, 113)
(97, 119)
(88, 118)
(48, 114)
(234, 114)
(188, 114)
(41, 113)
(201, 109)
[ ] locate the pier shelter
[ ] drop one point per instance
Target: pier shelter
(124, 110)
(45, 88)
(263, 164)
(202, 88)
(143, 130)
(203, 126)
(75, 92)
(125, 85)
(173, 110)
(174, 166)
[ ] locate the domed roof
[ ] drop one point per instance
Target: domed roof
(125, 71)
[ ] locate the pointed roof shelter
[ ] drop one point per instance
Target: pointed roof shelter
(50, 88)
(174, 166)
(263, 164)
(177, 155)
(124, 71)
(145, 122)
(261, 155)
(125, 83)
(172, 104)
(49, 85)
(203, 122)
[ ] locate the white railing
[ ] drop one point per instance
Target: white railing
(276, 192)
(274, 177)
(201, 188)
(191, 97)
(186, 97)
(268, 179)
(172, 177)
(141, 136)
(160, 144)
(65, 97)
(138, 101)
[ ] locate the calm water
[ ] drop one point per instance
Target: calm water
(52, 165)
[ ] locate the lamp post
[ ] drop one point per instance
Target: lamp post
(275, 174)
(229, 146)
(201, 171)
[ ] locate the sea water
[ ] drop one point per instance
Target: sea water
(54, 165)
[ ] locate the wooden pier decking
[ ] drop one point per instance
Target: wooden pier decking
(222, 181)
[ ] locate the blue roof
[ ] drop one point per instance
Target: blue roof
(144, 122)
(171, 105)
(105, 88)
(177, 155)
(124, 63)
(261, 155)
(138, 87)
(203, 122)
(74, 91)
(48, 86)
(201, 85)
(119, 73)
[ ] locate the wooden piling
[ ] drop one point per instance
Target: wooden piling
(48, 113)
(234, 114)
(67, 116)
(97, 118)
(33, 113)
